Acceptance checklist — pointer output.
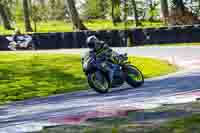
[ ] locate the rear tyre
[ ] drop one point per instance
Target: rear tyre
(99, 82)
(134, 76)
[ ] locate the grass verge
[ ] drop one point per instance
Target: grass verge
(25, 75)
(121, 125)
(177, 124)
(184, 125)
(61, 26)
(175, 44)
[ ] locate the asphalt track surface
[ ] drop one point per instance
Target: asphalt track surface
(77, 107)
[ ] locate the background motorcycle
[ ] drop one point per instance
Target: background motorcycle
(101, 80)
(23, 43)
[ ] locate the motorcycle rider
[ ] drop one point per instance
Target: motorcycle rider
(16, 34)
(103, 54)
(13, 43)
(20, 40)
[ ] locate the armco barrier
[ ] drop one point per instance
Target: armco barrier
(115, 38)
(138, 37)
(67, 40)
(3, 43)
(47, 40)
(166, 35)
(195, 34)
(80, 39)
(184, 34)
(160, 36)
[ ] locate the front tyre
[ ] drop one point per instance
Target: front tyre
(134, 76)
(12, 46)
(31, 46)
(99, 82)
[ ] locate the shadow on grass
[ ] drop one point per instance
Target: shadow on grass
(24, 79)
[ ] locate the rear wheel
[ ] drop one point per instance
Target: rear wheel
(134, 76)
(99, 82)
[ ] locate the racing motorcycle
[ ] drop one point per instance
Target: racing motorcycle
(101, 80)
(23, 43)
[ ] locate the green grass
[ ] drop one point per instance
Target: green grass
(24, 76)
(175, 44)
(106, 24)
(152, 67)
(184, 125)
(60, 26)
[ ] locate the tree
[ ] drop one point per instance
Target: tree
(103, 5)
(36, 15)
(95, 9)
(18, 11)
(74, 16)
(26, 16)
(178, 4)
(52, 9)
(5, 17)
(181, 15)
(164, 9)
(137, 23)
(153, 12)
(42, 3)
(115, 7)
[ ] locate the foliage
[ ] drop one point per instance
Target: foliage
(153, 11)
(95, 9)
(141, 9)
(18, 13)
(115, 11)
(91, 9)
(36, 13)
(56, 10)
(5, 14)
(194, 8)
(177, 4)
(24, 76)
(8, 4)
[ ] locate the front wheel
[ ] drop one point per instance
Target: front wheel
(31, 46)
(99, 82)
(12, 46)
(134, 76)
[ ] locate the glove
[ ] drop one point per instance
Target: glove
(123, 56)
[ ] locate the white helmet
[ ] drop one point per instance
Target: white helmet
(92, 41)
